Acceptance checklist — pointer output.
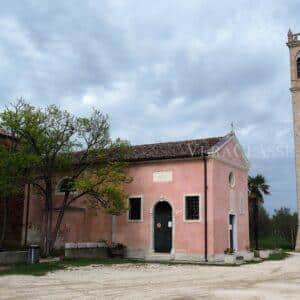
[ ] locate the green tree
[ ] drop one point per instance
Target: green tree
(54, 142)
(285, 226)
(264, 221)
(13, 169)
(257, 189)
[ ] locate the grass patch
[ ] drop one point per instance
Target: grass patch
(252, 262)
(35, 270)
(273, 256)
(45, 267)
(273, 243)
(81, 262)
(278, 256)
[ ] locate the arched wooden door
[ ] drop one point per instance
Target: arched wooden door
(163, 227)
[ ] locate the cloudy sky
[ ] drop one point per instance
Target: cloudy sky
(163, 70)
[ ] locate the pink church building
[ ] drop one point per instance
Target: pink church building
(187, 201)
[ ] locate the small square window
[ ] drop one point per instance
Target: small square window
(192, 207)
(135, 208)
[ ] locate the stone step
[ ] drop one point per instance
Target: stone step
(159, 257)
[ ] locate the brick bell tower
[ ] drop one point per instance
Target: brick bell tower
(294, 47)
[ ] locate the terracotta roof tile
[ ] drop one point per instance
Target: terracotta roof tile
(173, 150)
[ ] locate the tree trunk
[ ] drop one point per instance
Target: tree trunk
(4, 223)
(255, 224)
(58, 222)
(48, 217)
(27, 214)
(48, 228)
(45, 222)
(50, 221)
(294, 234)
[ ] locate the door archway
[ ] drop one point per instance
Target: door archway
(163, 227)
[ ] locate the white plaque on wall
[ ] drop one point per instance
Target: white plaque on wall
(163, 176)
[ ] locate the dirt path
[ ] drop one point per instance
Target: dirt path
(269, 280)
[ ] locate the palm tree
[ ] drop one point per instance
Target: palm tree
(257, 189)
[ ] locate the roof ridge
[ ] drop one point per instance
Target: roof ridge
(181, 141)
(222, 141)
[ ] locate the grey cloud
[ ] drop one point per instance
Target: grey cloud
(162, 70)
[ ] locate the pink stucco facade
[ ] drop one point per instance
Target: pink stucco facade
(230, 200)
(80, 223)
(186, 178)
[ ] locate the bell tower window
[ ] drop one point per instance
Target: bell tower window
(298, 66)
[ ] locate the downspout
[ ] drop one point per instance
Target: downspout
(205, 207)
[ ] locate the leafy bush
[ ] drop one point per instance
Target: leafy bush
(273, 242)
(276, 231)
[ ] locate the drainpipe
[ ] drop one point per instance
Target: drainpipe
(205, 207)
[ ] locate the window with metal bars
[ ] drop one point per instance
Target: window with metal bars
(192, 208)
(135, 204)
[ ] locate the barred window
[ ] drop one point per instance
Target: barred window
(192, 208)
(135, 204)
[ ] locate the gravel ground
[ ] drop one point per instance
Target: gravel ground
(268, 280)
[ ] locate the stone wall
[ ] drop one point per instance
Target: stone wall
(86, 250)
(12, 257)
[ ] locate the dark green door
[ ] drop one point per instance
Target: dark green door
(163, 227)
(231, 232)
